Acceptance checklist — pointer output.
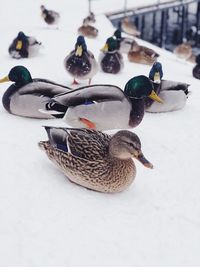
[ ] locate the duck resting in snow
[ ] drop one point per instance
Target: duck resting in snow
(104, 106)
(24, 46)
(94, 159)
(26, 95)
(174, 94)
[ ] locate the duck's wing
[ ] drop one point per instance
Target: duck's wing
(82, 143)
(167, 85)
(44, 87)
(88, 94)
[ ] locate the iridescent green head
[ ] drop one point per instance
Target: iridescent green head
(140, 87)
(19, 74)
(118, 34)
(111, 45)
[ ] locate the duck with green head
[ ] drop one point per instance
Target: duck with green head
(110, 59)
(105, 106)
(94, 159)
(124, 44)
(81, 63)
(27, 95)
(173, 93)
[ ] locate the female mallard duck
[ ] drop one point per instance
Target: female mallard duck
(24, 46)
(124, 44)
(128, 27)
(174, 94)
(50, 17)
(26, 95)
(94, 159)
(196, 69)
(88, 31)
(142, 54)
(110, 59)
(183, 51)
(80, 63)
(104, 107)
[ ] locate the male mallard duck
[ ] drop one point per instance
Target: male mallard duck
(183, 51)
(110, 59)
(50, 17)
(128, 27)
(80, 63)
(24, 46)
(174, 94)
(93, 159)
(26, 95)
(89, 19)
(142, 54)
(196, 69)
(105, 106)
(124, 44)
(88, 31)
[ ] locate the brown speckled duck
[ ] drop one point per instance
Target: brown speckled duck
(94, 159)
(142, 54)
(183, 51)
(88, 31)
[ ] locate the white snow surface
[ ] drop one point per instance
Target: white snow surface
(46, 221)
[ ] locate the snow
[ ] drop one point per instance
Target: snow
(47, 221)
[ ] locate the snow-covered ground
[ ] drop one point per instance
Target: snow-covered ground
(46, 221)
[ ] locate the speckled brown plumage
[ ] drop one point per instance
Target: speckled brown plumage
(90, 161)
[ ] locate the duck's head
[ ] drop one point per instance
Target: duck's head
(19, 74)
(80, 46)
(42, 7)
(110, 45)
(21, 35)
(198, 59)
(118, 34)
(140, 87)
(125, 144)
(156, 72)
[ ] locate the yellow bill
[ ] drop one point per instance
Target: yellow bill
(5, 79)
(155, 97)
(19, 45)
(79, 51)
(105, 48)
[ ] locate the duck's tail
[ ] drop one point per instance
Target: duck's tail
(54, 108)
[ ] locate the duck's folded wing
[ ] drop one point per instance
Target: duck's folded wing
(89, 94)
(43, 87)
(82, 143)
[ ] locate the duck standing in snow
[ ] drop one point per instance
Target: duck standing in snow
(124, 44)
(26, 96)
(174, 94)
(110, 59)
(51, 17)
(196, 69)
(81, 63)
(105, 106)
(24, 46)
(94, 159)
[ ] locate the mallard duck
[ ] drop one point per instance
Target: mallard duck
(124, 44)
(105, 106)
(142, 54)
(110, 59)
(174, 94)
(196, 69)
(24, 46)
(183, 51)
(88, 31)
(51, 17)
(128, 27)
(26, 95)
(81, 63)
(89, 19)
(93, 159)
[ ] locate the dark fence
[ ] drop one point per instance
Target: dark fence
(166, 24)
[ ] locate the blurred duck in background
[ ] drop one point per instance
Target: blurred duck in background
(51, 17)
